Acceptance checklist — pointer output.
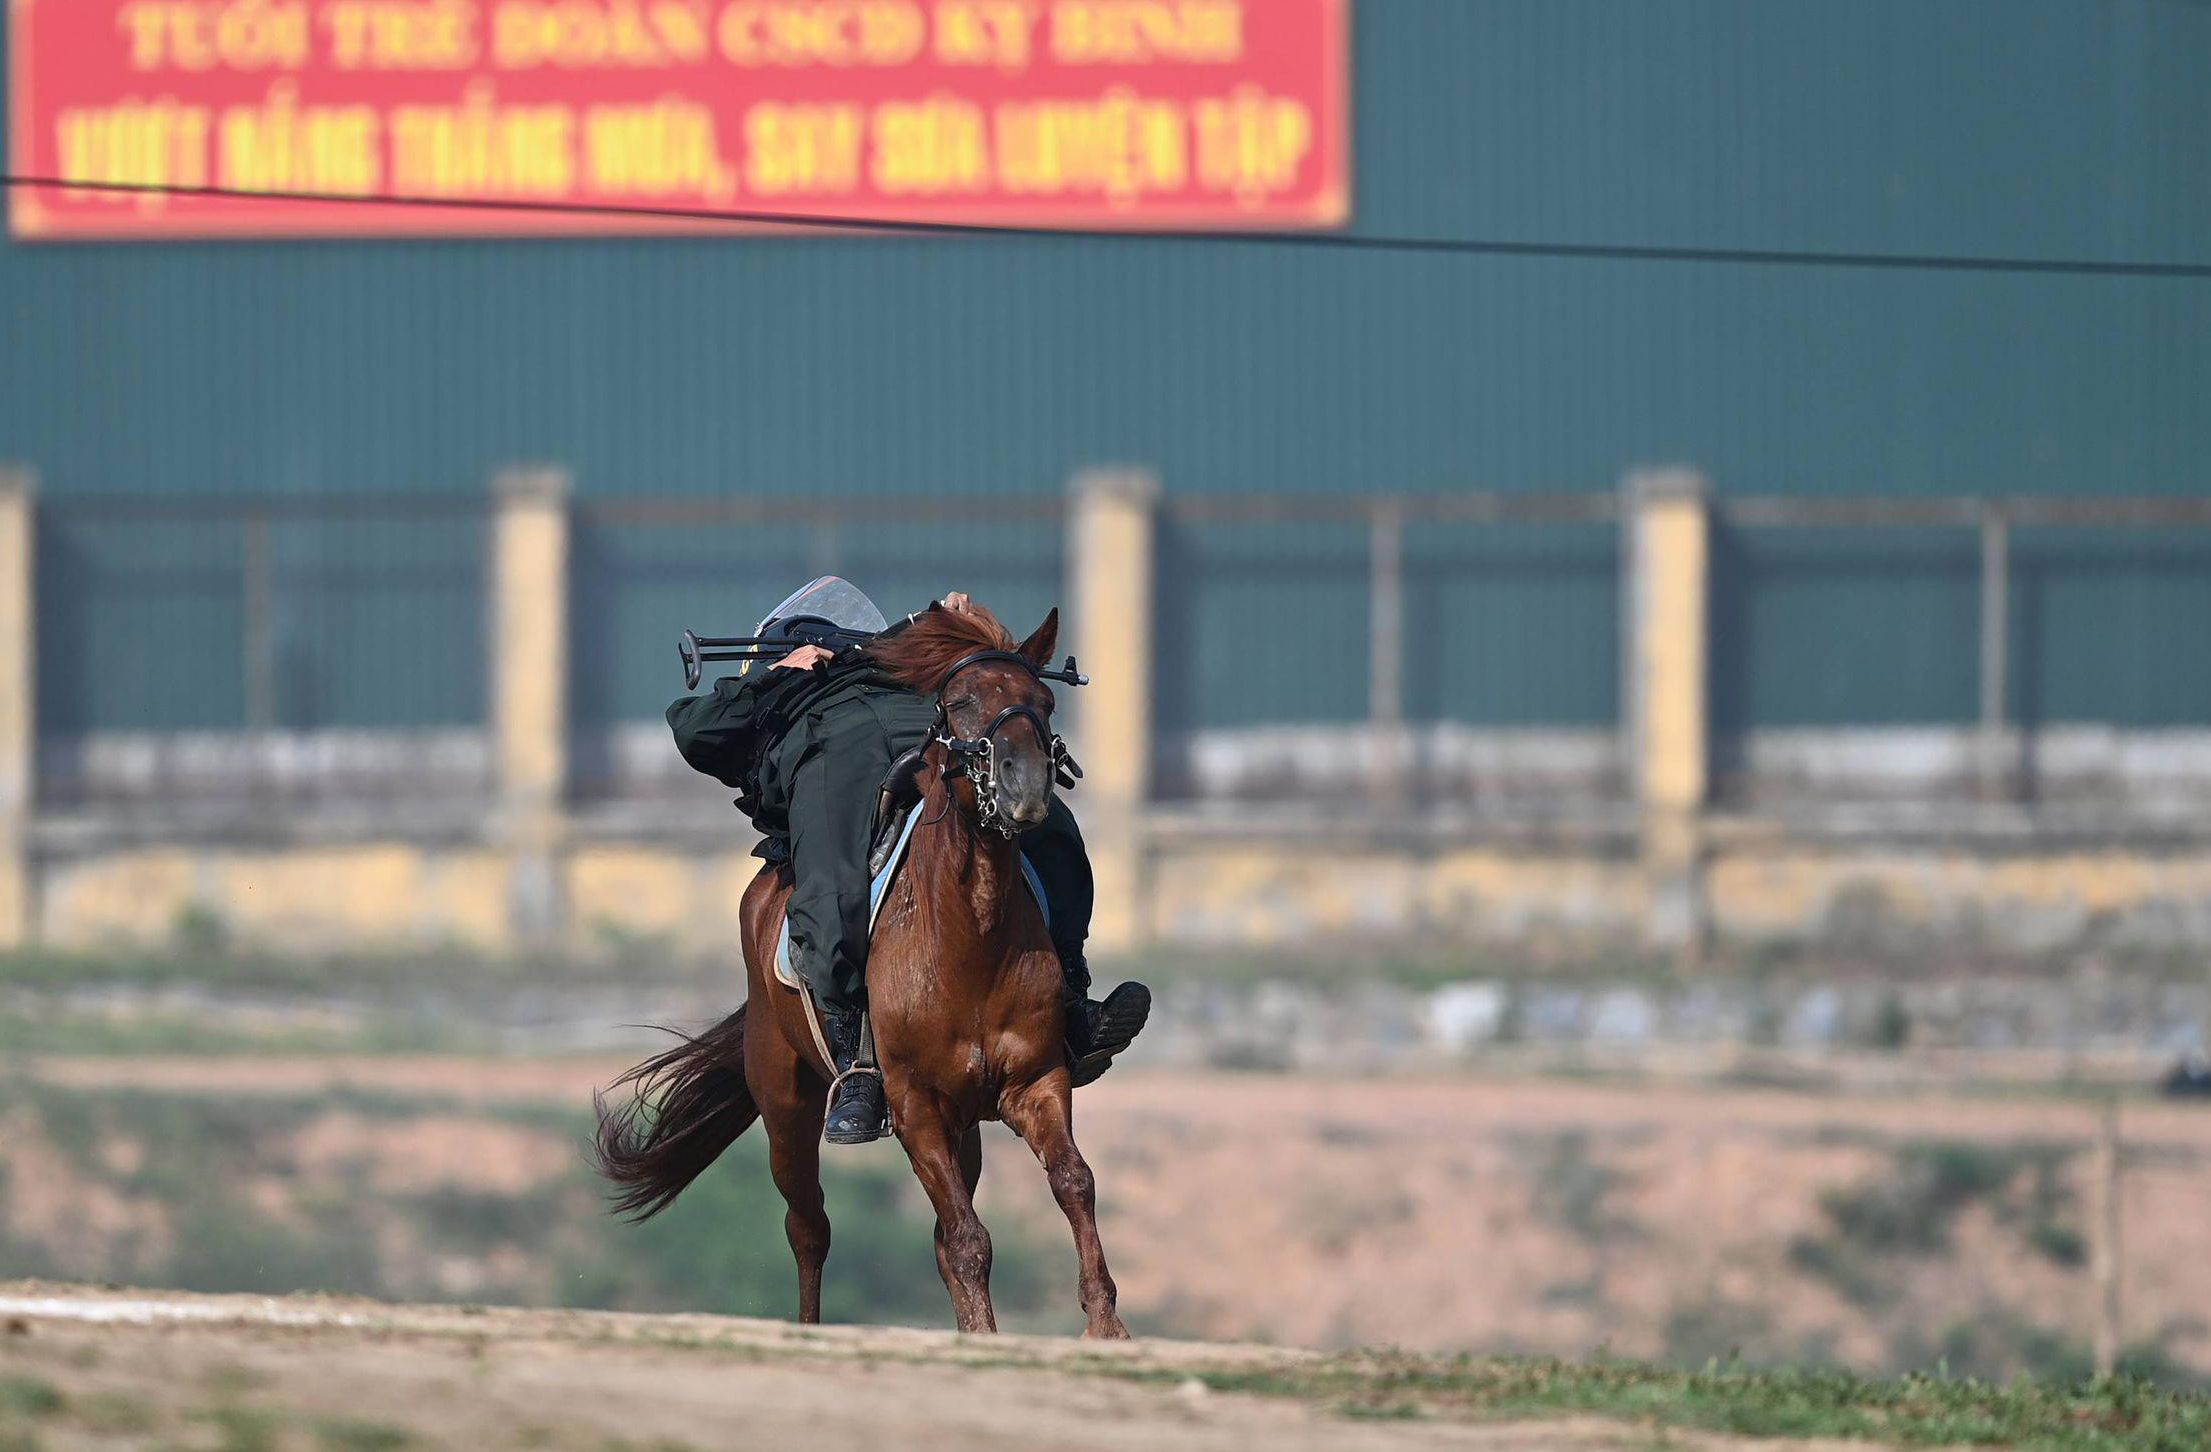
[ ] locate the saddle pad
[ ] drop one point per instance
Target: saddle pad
(879, 887)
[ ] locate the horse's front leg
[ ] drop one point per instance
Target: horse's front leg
(1043, 1116)
(970, 1150)
(963, 1244)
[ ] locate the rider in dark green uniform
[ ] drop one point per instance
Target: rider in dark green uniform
(808, 742)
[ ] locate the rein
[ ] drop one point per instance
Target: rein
(975, 757)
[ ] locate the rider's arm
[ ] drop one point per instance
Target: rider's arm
(715, 731)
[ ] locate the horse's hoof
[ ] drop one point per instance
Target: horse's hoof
(1111, 1331)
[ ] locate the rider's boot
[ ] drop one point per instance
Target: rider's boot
(856, 1114)
(1096, 1032)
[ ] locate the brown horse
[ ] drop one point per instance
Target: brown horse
(963, 993)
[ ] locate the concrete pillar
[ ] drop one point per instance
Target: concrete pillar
(1667, 520)
(18, 702)
(528, 669)
(1110, 525)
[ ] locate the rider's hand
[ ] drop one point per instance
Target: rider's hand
(958, 603)
(805, 658)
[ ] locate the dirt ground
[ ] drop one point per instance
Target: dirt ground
(176, 1371)
(1541, 1215)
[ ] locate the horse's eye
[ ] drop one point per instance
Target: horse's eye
(962, 703)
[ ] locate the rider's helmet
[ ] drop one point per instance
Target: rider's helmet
(828, 603)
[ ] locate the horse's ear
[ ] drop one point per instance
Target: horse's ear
(1038, 647)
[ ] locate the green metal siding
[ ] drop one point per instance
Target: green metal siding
(128, 615)
(1504, 625)
(2065, 128)
(142, 623)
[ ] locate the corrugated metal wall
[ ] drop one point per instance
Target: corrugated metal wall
(144, 621)
(2068, 128)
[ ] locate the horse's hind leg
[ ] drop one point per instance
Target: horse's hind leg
(792, 1099)
(1042, 1117)
(963, 1245)
(794, 1158)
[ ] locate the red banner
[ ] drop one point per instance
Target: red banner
(1086, 113)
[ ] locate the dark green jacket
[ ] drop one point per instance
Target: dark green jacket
(728, 732)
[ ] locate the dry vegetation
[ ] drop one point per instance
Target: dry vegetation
(1543, 1217)
(83, 1370)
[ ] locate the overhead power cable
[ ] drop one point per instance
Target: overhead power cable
(1325, 241)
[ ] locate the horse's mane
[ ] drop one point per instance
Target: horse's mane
(918, 656)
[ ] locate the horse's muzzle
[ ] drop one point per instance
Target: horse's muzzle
(1022, 788)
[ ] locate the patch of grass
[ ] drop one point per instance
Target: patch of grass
(1332, 1217)
(241, 1429)
(1714, 1329)
(1998, 1342)
(1573, 1188)
(1586, 1291)
(1891, 1029)
(2058, 1244)
(204, 959)
(2116, 1414)
(1855, 1275)
(229, 1380)
(200, 931)
(53, 1029)
(2049, 1222)
(28, 1396)
(113, 1414)
(1911, 1212)
(721, 1248)
(196, 1161)
(1336, 964)
(480, 1221)
(356, 1434)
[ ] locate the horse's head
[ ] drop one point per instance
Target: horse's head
(998, 721)
(994, 710)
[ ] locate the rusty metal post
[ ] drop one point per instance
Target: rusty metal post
(258, 569)
(2106, 1257)
(1386, 650)
(1994, 763)
(18, 701)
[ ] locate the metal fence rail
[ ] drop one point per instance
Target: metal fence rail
(244, 542)
(1386, 518)
(265, 588)
(1994, 517)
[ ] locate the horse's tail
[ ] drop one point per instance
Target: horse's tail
(683, 1108)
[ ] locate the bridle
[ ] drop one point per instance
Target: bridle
(976, 757)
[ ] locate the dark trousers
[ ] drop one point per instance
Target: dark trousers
(829, 768)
